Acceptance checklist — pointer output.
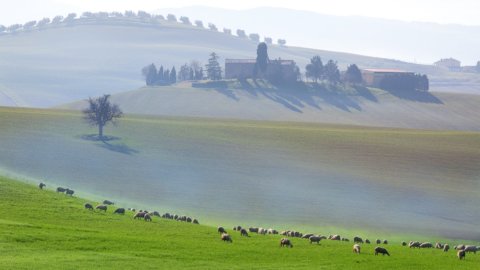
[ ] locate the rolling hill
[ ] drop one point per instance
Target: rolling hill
(257, 100)
(270, 174)
(65, 62)
(53, 231)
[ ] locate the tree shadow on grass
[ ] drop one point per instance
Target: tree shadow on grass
(105, 142)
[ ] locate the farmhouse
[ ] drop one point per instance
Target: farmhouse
(375, 77)
(449, 63)
(244, 69)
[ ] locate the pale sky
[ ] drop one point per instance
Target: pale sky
(440, 11)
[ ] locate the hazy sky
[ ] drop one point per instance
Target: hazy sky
(441, 11)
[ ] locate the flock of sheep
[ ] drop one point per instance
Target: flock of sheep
(141, 214)
(284, 242)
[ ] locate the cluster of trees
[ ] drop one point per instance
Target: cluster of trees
(193, 71)
(478, 66)
(317, 71)
(154, 76)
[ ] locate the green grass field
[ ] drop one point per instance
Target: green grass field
(41, 229)
(330, 178)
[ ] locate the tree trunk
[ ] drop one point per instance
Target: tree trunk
(100, 132)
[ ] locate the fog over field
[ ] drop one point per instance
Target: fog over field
(258, 173)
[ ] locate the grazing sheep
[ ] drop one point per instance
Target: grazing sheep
(380, 250)
(284, 233)
(357, 239)
(189, 219)
(308, 235)
(155, 213)
(459, 247)
(378, 241)
(315, 239)
(61, 189)
(385, 242)
(404, 243)
(367, 241)
(120, 211)
(298, 234)
(88, 206)
(253, 230)
(345, 240)
(262, 231)
(335, 237)
(107, 202)
(175, 217)
(438, 245)
(226, 237)
(101, 207)
(461, 254)
(139, 215)
(238, 228)
(446, 247)
(471, 249)
(285, 242)
(69, 192)
(147, 217)
(41, 185)
(272, 231)
(195, 221)
(414, 244)
(426, 245)
(356, 248)
(221, 230)
(243, 232)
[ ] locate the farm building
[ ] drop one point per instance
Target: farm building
(244, 69)
(375, 77)
(449, 63)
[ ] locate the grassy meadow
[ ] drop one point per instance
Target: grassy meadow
(42, 229)
(267, 174)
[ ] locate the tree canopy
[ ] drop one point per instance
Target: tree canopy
(262, 59)
(100, 112)
(314, 70)
(353, 75)
(214, 71)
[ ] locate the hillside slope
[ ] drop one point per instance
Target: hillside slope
(361, 106)
(55, 232)
(269, 174)
(67, 62)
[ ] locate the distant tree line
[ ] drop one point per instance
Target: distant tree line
(404, 82)
(143, 16)
(193, 71)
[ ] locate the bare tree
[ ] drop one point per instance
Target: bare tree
(100, 112)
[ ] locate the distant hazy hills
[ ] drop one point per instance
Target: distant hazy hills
(65, 63)
(408, 41)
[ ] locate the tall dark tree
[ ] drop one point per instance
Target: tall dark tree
(100, 112)
(214, 71)
(262, 59)
(353, 75)
(331, 72)
(478, 66)
(314, 70)
(173, 75)
(160, 77)
(150, 74)
(166, 76)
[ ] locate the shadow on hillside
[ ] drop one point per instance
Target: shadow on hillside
(299, 96)
(105, 143)
(419, 96)
(219, 86)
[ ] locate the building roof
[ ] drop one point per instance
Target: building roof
(253, 61)
(240, 61)
(385, 70)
